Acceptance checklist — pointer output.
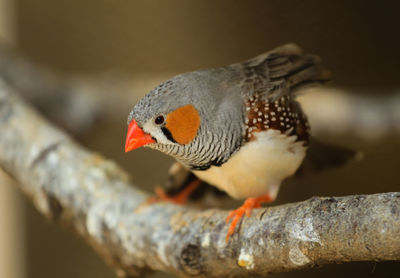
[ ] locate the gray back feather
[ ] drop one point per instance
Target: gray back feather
(282, 71)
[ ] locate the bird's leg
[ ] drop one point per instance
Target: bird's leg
(179, 198)
(247, 207)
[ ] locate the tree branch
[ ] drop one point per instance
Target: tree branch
(337, 111)
(71, 185)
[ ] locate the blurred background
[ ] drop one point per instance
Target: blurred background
(121, 49)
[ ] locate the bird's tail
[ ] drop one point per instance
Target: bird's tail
(322, 156)
(288, 67)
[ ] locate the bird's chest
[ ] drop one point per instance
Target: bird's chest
(258, 167)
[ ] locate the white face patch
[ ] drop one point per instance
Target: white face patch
(155, 131)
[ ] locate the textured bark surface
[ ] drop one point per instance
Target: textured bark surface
(72, 185)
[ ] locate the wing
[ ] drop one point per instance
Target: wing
(282, 71)
(268, 83)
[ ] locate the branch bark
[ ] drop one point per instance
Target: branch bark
(72, 185)
(337, 111)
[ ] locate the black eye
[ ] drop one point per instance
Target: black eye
(159, 120)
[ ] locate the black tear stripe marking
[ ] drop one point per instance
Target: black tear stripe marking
(168, 134)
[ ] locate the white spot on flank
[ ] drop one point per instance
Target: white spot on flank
(297, 257)
(246, 260)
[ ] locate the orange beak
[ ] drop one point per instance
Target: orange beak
(136, 137)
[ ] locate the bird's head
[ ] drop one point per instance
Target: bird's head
(169, 119)
(162, 120)
(185, 118)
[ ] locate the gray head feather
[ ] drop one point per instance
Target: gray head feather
(218, 104)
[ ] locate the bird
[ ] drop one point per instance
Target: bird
(238, 128)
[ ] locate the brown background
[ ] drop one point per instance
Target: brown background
(358, 40)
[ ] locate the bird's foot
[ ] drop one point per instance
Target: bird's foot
(179, 199)
(247, 207)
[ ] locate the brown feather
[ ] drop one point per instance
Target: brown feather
(183, 124)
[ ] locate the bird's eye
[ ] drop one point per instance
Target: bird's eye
(159, 120)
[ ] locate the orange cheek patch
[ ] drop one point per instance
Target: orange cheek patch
(183, 123)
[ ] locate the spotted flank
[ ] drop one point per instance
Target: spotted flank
(269, 84)
(283, 114)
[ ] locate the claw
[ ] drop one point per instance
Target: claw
(246, 208)
(179, 199)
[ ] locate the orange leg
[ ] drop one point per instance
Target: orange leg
(247, 207)
(179, 199)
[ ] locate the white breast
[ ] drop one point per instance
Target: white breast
(259, 167)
